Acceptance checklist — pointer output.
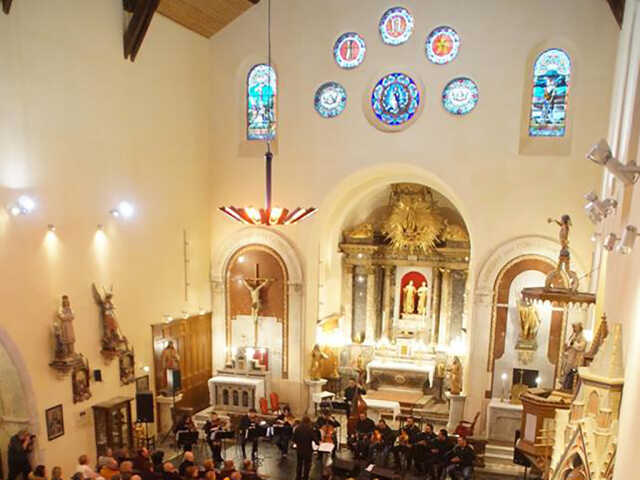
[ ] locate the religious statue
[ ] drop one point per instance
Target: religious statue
(65, 356)
(80, 380)
(112, 338)
(437, 389)
(563, 276)
(316, 356)
(364, 231)
(423, 291)
(170, 361)
(127, 367)
(254, 286)
(455, 376)
(409, 303)
(529, 325)
(573, 356)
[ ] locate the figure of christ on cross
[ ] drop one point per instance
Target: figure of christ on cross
(254, 285)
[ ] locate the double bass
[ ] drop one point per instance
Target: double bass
(358, 406)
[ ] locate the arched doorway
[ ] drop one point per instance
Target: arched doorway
(17, 399)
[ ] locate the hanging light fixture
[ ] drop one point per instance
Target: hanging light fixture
(269, 215)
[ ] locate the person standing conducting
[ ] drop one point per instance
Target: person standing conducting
(303, 437)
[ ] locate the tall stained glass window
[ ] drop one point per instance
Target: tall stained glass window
(551, 74)
(261, 103)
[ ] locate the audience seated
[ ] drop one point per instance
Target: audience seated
(188, 461)
(109, 469)
(227, 470)
(38, 473)
(84, 468)
(169, 472)
(56, 473)
(142, 461)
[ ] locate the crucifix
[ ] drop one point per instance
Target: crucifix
(254, 285)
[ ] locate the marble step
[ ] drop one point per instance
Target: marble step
(499, 454)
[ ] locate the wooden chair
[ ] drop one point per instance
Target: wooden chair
(275, 401)
(264, 406)
(465, 429)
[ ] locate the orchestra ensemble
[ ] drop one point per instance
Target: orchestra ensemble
(430, 454)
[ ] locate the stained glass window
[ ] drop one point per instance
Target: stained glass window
(460, 96)
(550, 91)
(261, 103)
(395, 99)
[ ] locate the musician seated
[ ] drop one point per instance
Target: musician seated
(440, 448)
(407, 438)
(423, 458)
(350, 393)
(362, 440)
(211, 428)
(248, 429)
(460, 460)
(382, 442)
(183, 426)
(326, 424)
(282, 429)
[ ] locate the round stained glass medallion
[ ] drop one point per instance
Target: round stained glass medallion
(349, 50)
(442, 45)
(396, 26)
(460, 96)
(330, 99)
(395, 99)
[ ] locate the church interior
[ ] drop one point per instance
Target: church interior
(293, 239)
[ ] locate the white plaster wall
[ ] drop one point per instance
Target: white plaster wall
(81, 129)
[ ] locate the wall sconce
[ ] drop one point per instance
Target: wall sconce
(610, 242)
(601, 154)
(23, 206)
(628, 240)
(598, 209)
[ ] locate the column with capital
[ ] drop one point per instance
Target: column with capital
(436, 292)
(370, 328)
(387, 320)
(445, 308)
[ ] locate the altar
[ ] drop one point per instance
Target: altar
(416, 376)
(234, 392)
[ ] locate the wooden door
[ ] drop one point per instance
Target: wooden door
(192, 337)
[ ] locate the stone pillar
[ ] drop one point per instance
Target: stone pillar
(445, 308)
(165, 404)
(436, 292)
(387, 314)
(456, 410)
(347, 299)
(370, 329)
(314, 388)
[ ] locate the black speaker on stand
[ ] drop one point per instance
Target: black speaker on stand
(144, 412)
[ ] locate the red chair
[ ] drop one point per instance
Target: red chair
(465, 428)
(275, 401)
(264, 406)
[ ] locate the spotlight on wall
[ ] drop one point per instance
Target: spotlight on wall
(610, 242)
(51, 227)
(595, 236)
(601, 154)
(23, 206)
(124, 209)
(598, 209)
(628, 240)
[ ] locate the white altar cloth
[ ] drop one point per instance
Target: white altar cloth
(503, 419)
(426, 368)
(379, 405)
(219, 380)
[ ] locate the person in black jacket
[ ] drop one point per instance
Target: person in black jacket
(303, 438)
(408, 436)
(20, 445)
(460, 460)
(350, 393)
(248, 426)
(440, 448)
(382, 442)
(211, 428)
(423, 457)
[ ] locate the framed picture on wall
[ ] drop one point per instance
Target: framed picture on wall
(55, 422)
(142, 384)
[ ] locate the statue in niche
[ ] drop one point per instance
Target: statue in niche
(409, 294)
(573, 357)
(563, 276)
(170, 361)
(529, 325)
(316, 358)
(65, 356)
(113, 342)
(437, 389)
(455, 376)
(423, 291)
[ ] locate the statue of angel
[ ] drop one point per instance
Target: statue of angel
(111, 335)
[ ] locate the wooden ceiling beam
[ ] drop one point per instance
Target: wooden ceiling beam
(142, 13)
(617, 8)
(6, 6)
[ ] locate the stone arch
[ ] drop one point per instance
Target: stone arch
(18, 409)
(593, 403)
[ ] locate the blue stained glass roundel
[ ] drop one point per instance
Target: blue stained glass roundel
(460, 96)
(396, 26)
(395, 99)
(349, 50)
(330, 99)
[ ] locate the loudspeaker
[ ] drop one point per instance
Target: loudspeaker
(97, 375)
(174, 380)
(518, 457)
(144, 407)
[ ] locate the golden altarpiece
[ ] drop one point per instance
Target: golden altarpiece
(404, 281)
